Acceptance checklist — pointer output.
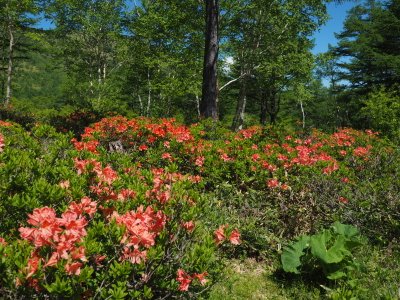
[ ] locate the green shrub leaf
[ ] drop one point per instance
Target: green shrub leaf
(291, 254)
(328, 255)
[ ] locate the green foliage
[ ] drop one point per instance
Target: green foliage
(368, 38)
(382, 107)
(32, 165)
(39, 78)
(292, 254)
(371, 47)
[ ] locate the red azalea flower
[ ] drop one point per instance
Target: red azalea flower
(98, 259)
(284, 187)
(273, 183)
(33, 264)
(166, 156)
(125, 194)
(201, 278)
(184, 279)
(189, 226)
(345, 180)
(234, 238)
(199, 161)
(64, 184)
(219, 234)
(143, 148)
(1, 143)
(225, 157)
(73, 268)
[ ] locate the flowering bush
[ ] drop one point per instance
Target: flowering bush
(145, 208)
(98, 226)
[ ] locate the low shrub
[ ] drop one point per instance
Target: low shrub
(146, 208)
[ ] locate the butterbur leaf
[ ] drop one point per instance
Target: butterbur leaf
(328, 255)
(347, 231)
(291, 254)
(336, 275)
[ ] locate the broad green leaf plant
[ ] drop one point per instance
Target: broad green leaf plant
(329, 250)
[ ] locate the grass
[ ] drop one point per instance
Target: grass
(247, 280)
(377, 278)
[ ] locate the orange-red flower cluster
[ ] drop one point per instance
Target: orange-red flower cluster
(220, 236)
(185, 279)
(5, 124)
(142, 228)
(1, 143)
(362, 151)
(90, 145)
(189, 226)
(61, 235)
(104, 175)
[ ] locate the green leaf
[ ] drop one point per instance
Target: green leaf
(328, 255)
(336, 275)
(60, 287)
(291, 255)
(348, 231)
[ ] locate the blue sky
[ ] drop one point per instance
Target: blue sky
(326, 35)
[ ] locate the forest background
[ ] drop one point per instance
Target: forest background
(147, 59)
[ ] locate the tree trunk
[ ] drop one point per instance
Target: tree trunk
(2, 69)
(198, 106)
(238, 120)
(303, 114)
(141, 105)
(208, 105)
(263, 113)
(273, 105)
(270, 105)
(149, 94)
(273, 118)
(10, 65)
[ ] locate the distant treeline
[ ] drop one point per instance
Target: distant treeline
(242, 62)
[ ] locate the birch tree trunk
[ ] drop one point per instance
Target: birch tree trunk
(10, 64)
(198, 106)
(303, 114)
(149, 94)
(3, 68)
(238, 120)
(141, 105)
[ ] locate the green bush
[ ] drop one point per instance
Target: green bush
(382, 107)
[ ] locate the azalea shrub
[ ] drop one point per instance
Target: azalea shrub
(98, 224)
(146, 208)
(311, 180)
